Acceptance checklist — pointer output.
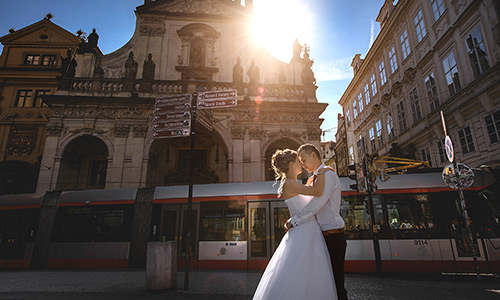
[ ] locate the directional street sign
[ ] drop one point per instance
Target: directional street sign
(217, 99)
(172, 116)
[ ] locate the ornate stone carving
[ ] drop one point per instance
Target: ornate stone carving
(134, 112)
(140, 131)
(314, 134)
(457, 3)
(386, 100)
(149, 30)
(396, 89)
(441, 24)
(121, 130)
(53, 129)
(284, 133)
(153, 20)
(237, 132)
(257, 133)
(409, 76)
(211, 7)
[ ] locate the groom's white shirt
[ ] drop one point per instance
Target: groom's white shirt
(326, 207)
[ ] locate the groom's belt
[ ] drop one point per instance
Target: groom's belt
(333, 231)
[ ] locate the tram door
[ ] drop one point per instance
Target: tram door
(174, 227)
(258, 235)
(265, 228)
(280, 215)
(14, 234)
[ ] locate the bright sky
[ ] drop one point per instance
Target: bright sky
(335, 30)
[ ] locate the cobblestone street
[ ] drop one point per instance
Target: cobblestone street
(130, 284)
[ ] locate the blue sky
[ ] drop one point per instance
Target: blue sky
(338, 29)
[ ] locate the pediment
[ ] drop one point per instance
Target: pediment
(42, 32)
(198, 7)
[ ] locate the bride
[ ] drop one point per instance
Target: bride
(300, 267)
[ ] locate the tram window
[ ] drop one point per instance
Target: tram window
(354, 210)
(85, 224)
(222, 224)
(409, 215)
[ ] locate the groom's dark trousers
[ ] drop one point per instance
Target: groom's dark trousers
(336, 243)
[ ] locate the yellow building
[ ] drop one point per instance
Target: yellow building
(29, 65)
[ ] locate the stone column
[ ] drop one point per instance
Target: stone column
(161, 267)
(47, 177)
(135, 171)
(115, 168)
(237, 133)
(256, 168)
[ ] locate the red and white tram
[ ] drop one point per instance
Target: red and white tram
(239, 225)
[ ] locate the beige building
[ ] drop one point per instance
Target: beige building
(430, 56)
(100, 133)
(29, 66)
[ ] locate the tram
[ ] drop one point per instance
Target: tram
(419, 226)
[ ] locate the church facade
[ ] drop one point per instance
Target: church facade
(99, 130)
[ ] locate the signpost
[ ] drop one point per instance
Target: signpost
(175, 116)
(459, 177)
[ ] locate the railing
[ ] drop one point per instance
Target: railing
(117, 85)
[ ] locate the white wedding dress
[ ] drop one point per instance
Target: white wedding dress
(300, 268)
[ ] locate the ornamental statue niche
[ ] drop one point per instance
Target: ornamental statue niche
(238, 72)
(148, 68)
(130, 67)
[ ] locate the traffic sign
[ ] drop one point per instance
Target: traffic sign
(448, 146)
(217, 99)
(172, 116)
(459, 177)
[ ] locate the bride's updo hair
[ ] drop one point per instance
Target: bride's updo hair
(281, 163)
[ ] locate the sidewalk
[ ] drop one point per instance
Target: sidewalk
(216, 284)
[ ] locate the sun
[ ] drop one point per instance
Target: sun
(277, 23)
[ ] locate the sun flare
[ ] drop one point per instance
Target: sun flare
(277, 23)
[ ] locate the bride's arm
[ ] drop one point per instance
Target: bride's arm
(296, 187)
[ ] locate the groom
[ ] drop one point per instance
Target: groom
(326, 208)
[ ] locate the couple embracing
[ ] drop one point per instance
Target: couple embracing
(309, 262)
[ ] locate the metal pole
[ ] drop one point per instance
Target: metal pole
(190, 192)
(467, 222)
(376, 244)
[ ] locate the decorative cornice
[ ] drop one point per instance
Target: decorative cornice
(237, 132)
(121, 130)
(140, 131)
(53, 129)
(257, 133)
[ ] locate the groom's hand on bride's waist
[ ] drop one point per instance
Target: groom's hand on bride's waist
(288, 225)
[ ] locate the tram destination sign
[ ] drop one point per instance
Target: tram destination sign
(217, 99)
(172, 116)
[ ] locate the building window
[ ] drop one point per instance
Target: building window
(466, 141)
(354, 109)
(426, 155)
(415, 105)
(32, 59)
(493, 126)
(359, 146)
(405, 44)
(390, 126)
(437, 8)
(380, 139)
(442, 153)
(451, 73)
(432, 94)
(477, 52)
(49, 60)
(38, 98)
(351, 155)
(360, 102)
(348, 118)
(98, 173)
(24, 98)
(372, 140)
(373, 84)
(419, 25)
(392, 60)
(401, 115)
(381, 69)
(367, 94)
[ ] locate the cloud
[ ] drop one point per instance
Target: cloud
(372, 34)
(336, 69)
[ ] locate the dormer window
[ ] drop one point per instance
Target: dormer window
(32, 59)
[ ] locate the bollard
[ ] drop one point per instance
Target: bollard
(161, 266)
